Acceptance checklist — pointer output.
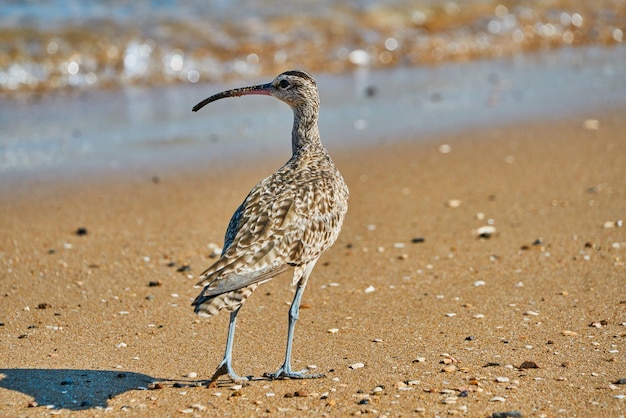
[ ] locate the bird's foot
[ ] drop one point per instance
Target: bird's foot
(286, 373)
(226, 369)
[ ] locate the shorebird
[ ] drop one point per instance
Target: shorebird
(287, 220)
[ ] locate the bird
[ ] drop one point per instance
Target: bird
(287, 221)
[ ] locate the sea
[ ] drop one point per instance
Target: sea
(107, 85)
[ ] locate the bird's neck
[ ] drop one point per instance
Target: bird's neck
(305, 133)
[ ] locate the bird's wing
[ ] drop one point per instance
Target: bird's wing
(279, 224)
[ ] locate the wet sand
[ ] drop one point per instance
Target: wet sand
(442, 321)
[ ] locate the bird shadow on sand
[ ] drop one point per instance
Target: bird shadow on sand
(76, 389)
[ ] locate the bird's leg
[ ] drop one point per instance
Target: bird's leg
(285, 372)
(225, 366)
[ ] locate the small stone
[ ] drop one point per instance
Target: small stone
(377, 389)
(357, 366)
(507, 414)
(479, 283)
(154, 283)
(236, 387)
(449, 368)
(44, 305)
(591, 124)
(191, 375)
(486, 231)
(620, 396)
(450, 314)
(478, 316)
(449, 400)
(300, 394)
(183, 268)
(418, 240)
(445, 149)
(531, 313)
(497, 399)
(568, 333)
(419, 360)
(402, 386)
(370, 289)
(32, 404)
(621, 381)
(364, 401)
(528, 365)
(453, 203)
(599, 324)
(333, 330)
(502, 379)
(81, 231)
(198, 407)
(214, 250)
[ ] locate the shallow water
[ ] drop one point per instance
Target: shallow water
(61, 44)
(155, 127)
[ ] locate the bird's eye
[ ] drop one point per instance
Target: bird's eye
(283, 84)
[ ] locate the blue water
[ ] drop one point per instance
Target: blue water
(133, 127)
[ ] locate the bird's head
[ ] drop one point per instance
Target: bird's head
(296, 88)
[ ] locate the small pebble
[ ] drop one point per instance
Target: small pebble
(479, 283)
(449, 368)
(191, 375)
(453, 203)
(418, 240)
(591, 124)
(497, 399)
(568, 333)
(445, 149)
(507, 414)
(370, 289)
(485, 231)
(531, 313)
(356, 366)
(620, 396)
(478, 316)
(81, 231)
(154, 283)
(450, 314)
(528, 365)
(333, 330)
(502, 379)
(621, 381)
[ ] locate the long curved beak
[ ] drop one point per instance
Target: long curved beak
(263, 89)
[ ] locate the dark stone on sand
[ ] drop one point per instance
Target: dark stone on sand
(507, 414)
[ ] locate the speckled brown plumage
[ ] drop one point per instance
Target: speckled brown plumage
(288, 220)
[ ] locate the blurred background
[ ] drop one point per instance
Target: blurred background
(112, 83)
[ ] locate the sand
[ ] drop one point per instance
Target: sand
(441, 321)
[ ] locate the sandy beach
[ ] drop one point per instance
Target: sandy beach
(410, 312)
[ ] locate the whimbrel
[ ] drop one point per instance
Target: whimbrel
(287, 220)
